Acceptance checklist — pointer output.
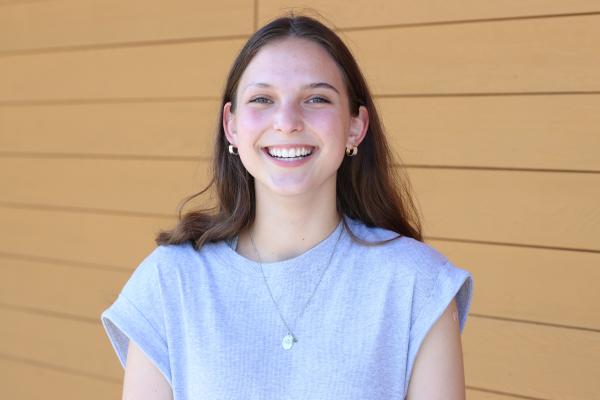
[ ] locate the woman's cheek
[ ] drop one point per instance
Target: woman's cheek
(326, 127)
(254, 117)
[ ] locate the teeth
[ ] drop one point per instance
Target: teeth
(289, 153)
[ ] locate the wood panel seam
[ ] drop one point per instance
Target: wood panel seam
(100, 156)
(255, 15)
(50, 313)
(116, 100)
(506, 169)
(467, 21)
(501, 393)
(19, 2)
(69, 263)
(54, 367)
(532, 246)
(85, 210)
(483, 94)
(533, 322)
(118, 45)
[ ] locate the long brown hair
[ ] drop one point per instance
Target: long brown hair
(369, 188)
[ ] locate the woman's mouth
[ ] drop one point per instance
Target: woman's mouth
(289, 153)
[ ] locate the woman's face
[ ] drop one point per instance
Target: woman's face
(292, 121)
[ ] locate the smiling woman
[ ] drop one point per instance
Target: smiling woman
(287, 102)
(309, 278)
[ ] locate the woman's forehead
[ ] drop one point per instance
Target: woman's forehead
(292, 61)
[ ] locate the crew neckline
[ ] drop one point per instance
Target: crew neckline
(313, 257)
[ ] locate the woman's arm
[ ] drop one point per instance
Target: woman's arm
(143, 380)
(438, 372)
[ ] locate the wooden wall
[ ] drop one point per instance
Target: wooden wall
(106, 113)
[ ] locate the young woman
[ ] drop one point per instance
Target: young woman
(309, 280)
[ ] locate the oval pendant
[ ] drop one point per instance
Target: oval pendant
(288, 341)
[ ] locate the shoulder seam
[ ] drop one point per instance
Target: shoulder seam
(433, 289)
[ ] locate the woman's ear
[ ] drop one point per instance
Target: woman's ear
(359, 125)
(229, 124)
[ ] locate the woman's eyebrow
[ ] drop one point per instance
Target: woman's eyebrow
(324, 85)
(314, 85)
(259, 84)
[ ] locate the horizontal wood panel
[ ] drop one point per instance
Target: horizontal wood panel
(547, 132)
(349, 14)
(80, 346)
(148, 186)
(62, 23)
(550, 286)
(59, 288)
(532, 360)
(541, 55)
(527, 208)
(185, 69)
(22, 381)
(75, 23)
(546, 209)
(546, 55)
(111, 240)
(173, 129)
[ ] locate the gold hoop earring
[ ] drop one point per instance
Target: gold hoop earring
(233, 150)
(351, 151)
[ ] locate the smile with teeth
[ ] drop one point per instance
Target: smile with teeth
(290, 153)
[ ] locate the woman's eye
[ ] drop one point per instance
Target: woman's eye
(261, 100)
(318, 99)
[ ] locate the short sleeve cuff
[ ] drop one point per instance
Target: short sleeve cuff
(124, 322)
(451, 283)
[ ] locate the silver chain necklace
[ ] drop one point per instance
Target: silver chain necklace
(288, 340)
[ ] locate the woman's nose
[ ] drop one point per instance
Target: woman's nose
(288, 118)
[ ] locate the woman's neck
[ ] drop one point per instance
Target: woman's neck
(288, 227)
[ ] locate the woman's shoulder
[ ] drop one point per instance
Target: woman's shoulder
(399, 250)
(404, 257)
(168, 265)
(164, 254)
(430, 276)
(165, 259)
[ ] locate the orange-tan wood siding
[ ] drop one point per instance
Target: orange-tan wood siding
(107, 118)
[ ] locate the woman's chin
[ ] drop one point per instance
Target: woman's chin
(295, 186)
